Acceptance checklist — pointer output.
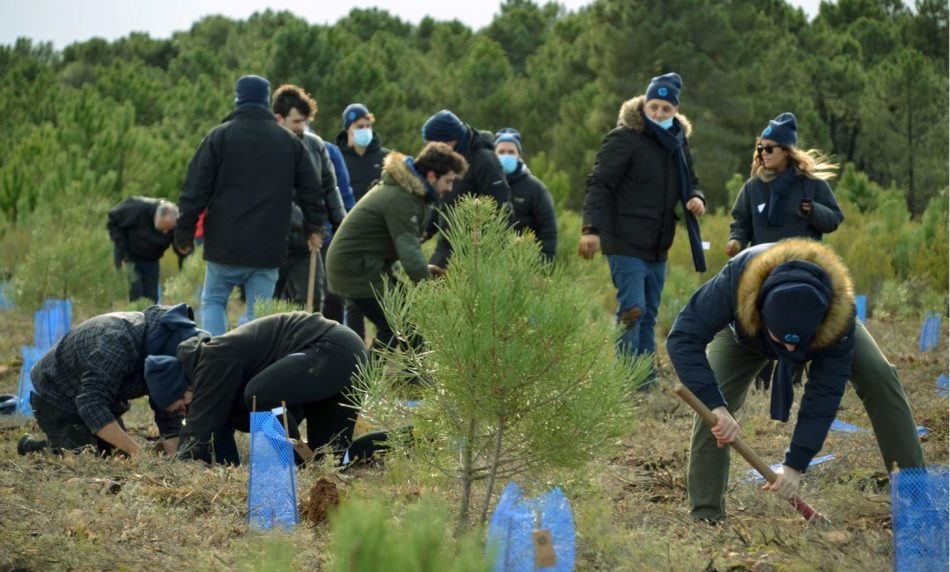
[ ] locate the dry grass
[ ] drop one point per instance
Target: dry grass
(86, 513)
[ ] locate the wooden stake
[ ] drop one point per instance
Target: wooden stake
(253, 404)
(283, 405)
(311, 280)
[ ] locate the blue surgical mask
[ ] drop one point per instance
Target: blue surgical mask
(508, 163)
(665, 124)
(363, 137)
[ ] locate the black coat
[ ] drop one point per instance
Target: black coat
(534, 209)
(484, 177)
(219, 369)
(132, 229)
(246, 172)
(633, 189)
(750, 224)
(364, 169)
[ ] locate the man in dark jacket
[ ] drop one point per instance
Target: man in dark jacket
(534, 206)
(299, 358)
(82, 386)
(485, 176)
(643, 170)
(247, 172)
(790, 301)
(293, 108)
(140, 229)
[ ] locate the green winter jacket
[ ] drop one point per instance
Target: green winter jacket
(383, 227)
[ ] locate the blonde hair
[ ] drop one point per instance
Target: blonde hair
(812, 163)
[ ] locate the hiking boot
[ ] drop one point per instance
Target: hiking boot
(27, 444)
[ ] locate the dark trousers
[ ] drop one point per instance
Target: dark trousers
(145, 283)
(374, 313)
(312, 383)
(293, 279)
(67, 431)
(354, 319)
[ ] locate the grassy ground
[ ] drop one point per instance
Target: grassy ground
(86, 513)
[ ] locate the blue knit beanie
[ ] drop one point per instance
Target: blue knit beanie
(793, 311)
(783, 130)
(166, 380)
(252, 90)
(511, 135)
(666, 87)
(443, 126)
(353, 112)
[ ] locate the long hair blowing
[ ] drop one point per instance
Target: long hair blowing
(811, 163)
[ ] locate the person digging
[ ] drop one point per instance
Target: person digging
(793, 302)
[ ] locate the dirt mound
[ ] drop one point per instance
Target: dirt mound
(323, 496)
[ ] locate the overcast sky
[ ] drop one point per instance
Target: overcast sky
(66, 21)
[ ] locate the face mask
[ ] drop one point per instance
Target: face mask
(363, 137)
(665, 124)
(508, 163)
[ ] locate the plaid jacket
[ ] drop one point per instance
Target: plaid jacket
(100, 364)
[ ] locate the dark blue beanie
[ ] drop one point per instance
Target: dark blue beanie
(252, 90)
(666, 87)
(166, 380)
(793, 311)
(783, 130)
(443, 126)
(176, 325)
(353, 112)
(511, 135)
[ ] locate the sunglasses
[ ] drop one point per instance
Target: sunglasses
(767, 148)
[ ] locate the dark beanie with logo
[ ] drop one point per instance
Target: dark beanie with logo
(666, 87)
(252, 90)
(783, 130)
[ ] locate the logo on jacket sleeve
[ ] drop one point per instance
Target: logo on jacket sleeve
(414, 219)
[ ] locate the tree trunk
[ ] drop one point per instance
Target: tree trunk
(466, 474)
(493, 471)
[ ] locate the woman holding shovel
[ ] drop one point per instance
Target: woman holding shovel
(793, 302)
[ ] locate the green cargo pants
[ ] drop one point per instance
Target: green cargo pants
(873, 377)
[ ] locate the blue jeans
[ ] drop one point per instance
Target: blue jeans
(220, 280)
(639, 284)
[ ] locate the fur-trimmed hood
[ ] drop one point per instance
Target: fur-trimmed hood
(631, 118)
(841, 308)
(394, 166)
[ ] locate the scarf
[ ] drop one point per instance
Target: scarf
(779, 188)
(674, 141)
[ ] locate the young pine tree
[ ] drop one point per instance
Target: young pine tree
(512, 373)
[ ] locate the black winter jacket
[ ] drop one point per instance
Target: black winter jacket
(731, 299)
(364, 169)
(246, 172)
(750, 223)
(132, 229)
(484, 177)
(219, 369)
(633, 189)
(534, 208)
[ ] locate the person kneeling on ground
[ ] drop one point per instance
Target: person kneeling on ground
(298, 358)
(790, 301)
(82, 386)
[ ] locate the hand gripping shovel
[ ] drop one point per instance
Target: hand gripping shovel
(748, 454)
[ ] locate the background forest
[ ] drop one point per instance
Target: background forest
(82, 128)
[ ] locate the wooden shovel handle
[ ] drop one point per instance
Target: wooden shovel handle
(740, 447)
(311, 280)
